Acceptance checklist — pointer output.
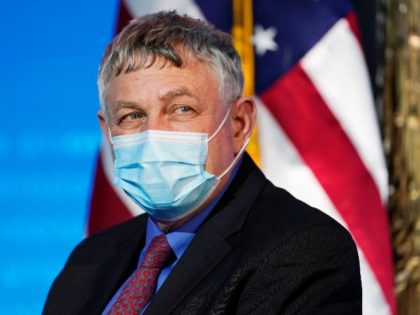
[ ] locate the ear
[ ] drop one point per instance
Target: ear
(244, 114)
(104, 125)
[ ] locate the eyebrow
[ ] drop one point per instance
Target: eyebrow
(181, 91)
(126, 104)
(119, 105)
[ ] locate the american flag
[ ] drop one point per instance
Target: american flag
(318, 134)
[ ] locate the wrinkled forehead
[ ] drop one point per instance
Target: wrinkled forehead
(179, 56)
(143, 61)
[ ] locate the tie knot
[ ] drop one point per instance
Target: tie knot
(158, 253)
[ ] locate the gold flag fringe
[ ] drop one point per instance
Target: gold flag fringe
(402, 141)
(242, 31)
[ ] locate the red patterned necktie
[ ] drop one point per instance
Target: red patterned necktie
(142, 284)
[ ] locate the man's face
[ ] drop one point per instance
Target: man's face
(164, 97)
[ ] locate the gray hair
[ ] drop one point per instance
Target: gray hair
(165, 35)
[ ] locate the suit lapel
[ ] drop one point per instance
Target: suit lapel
(210, 244)
(111, 274)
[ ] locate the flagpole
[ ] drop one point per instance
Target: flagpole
(242, 31)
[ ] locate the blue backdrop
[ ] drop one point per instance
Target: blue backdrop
(49, 136)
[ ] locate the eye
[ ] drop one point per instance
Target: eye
(181, 112)
(184, 109)
(131, 120)
(133, 116)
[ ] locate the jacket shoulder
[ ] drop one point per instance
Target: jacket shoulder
(279, 216)
(97, 246)
(300, 260)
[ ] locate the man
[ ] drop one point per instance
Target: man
(218, 237)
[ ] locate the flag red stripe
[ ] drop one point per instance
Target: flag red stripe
(106, 208)
(354, 26)
(124, 16)
(311, 126)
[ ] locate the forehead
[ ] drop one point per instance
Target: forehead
(194, 78)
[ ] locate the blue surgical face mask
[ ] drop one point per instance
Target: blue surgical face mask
(163, 171)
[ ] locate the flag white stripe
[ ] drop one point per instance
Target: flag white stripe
(374, 302)
(335, 66)
(284, 167)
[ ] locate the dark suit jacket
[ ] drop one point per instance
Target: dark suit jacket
(261, 251)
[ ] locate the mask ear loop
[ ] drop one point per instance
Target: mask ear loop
(240, 151)
(109, 135)
(235, 159)
(220, 126)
